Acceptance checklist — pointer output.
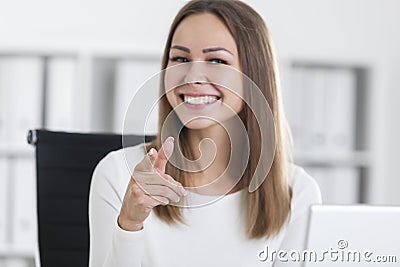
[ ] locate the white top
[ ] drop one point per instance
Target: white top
(214, 234)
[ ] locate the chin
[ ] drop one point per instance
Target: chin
(200, 124)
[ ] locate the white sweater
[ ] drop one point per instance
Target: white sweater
(214, 235)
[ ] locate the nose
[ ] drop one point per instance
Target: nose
(195, 73)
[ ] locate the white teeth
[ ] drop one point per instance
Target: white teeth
(199, 100)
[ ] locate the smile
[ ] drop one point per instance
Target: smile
(199, 99)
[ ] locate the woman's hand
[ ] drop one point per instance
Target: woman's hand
(149, 186)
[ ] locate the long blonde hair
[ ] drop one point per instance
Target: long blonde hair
(268, 207)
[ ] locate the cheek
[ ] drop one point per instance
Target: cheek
(170, 82)
(234, 99)
(171, 98)
(238, 105)
(235, 102)
(174, 76)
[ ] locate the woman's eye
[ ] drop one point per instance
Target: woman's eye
(180, 59)
(218, 61)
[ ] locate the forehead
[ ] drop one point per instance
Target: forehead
(203, 30)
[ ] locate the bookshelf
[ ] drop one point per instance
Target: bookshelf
(326, 106)
(80, 89)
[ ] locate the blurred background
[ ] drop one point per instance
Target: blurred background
(74, 65)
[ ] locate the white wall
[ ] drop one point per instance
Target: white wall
(353, 31)
(87, 23)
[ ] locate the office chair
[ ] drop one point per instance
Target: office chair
(64, 165)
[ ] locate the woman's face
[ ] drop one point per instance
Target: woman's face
(203, 37)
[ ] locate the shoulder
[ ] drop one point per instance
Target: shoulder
(305, 191)
(127, 157)
(301, 181)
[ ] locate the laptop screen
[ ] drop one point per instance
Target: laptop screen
(356, 235)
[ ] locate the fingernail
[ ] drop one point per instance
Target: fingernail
(170, 139)
(151, 152)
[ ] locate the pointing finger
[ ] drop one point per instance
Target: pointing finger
(164, 154)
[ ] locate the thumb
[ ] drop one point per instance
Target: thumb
(164, 154)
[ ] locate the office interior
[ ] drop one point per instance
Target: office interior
(74, 66)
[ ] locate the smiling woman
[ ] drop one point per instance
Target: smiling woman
(218, 69)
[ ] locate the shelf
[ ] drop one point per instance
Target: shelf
(16, 252)
(77, 50)
(339, 159)
(7, 151)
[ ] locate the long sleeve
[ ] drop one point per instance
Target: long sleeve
(111, 246)
(306, 193)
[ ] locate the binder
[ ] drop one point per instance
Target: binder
(23, 221)
(3, 104)
(315, 120)
(3, 201)
(134, 82)
(294, 106)
(61, 94)
(322, 109)
(21, 80)
(341, 110)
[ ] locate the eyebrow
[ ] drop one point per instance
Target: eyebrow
(182, 48)
(206, 50)
(215, 49)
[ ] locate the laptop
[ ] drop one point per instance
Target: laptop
(355, 235)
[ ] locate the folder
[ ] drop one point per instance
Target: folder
(341, 110)
(3, 200)
(21, 80)
(23, 220)
(61, 94)
(134, 81)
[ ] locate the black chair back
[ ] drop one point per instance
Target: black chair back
(64, 164)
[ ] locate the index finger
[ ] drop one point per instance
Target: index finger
(164, 154)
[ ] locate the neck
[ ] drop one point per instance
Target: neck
(209, 173)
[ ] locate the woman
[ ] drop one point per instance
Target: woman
(141, 218)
